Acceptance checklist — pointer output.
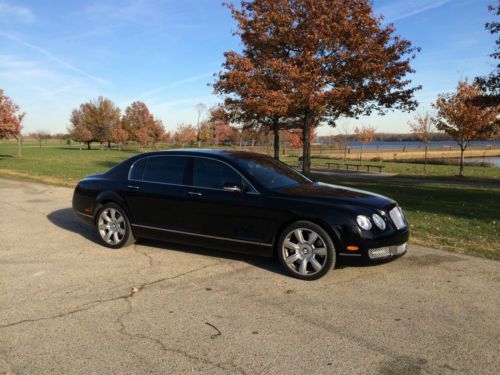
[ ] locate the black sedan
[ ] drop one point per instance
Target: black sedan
(240, 201)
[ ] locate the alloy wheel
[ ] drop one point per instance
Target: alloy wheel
(304, 251)
(111, 226)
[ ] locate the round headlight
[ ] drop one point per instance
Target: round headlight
(364, 222)
(379, 222)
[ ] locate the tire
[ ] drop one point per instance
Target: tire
(306, 251)
(113, 227)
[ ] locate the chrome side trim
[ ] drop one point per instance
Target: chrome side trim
(349, 255)
(81, 213)
(202, 235)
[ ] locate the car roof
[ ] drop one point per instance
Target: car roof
(203, 152)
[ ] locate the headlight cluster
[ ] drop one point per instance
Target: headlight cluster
(365, 223)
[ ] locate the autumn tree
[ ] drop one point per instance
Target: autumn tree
(255, 89)
(118, 134)
(421, 127)
(333, 58)
(78, 132)
(296, 139)
(490, 84)
(11, 119)
(220, 128)
(185, 134)
(97, 118)
(365, 135)
(460, 116)
(141, 125)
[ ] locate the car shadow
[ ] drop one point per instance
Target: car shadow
(66, 219)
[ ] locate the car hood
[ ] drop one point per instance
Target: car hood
(336, 194)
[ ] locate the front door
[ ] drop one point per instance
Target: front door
(215, 210)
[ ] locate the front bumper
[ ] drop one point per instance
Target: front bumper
(387, 251)
(391, 244)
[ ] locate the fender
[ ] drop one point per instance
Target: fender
(107, 196)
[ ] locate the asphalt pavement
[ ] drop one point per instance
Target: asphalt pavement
(71, 306)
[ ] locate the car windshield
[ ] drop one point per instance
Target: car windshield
(269, 172)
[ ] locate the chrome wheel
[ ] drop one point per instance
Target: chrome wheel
(111, 226)
(304, 251)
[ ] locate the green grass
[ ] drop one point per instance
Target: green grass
(473, 173)
(451, 217)
(455, 217)
(57, 162)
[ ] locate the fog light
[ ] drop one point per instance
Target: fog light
(387, 251)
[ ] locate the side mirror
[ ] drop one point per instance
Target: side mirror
(229, 186)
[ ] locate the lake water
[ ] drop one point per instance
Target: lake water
(415, 145)
(493, 160)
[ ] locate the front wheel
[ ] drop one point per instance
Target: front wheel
(306, 251)
(113, 227)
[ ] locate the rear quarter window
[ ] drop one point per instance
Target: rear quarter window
(137, 170)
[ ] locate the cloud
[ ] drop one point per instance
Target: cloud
(15, 13)
(148, 94)
(54, 58)
(401, 9)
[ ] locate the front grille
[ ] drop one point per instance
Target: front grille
(397, 217)
(387, 251)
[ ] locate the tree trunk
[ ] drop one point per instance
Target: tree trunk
(109, 145)
(462, 149)
(425, 159)
(88, 145)
(19, 152)
(306, 149)
(361, 153)
(276, 141)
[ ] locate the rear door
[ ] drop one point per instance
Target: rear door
(157, 196)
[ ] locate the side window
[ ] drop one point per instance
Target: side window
(137, 170)
(209, 173)
(166, 169)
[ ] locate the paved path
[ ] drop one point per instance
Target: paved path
(68, 306)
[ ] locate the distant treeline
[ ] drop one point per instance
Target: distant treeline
(392, 137)
(379, 137)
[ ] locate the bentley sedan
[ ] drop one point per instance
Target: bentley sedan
(240, 201)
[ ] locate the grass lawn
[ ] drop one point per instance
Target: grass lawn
(452, 217)
(472, 173)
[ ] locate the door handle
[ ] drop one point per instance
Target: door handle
(195, 193)
(133, 187)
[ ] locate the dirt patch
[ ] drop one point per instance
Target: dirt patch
(430, 260)
(403, 365)
(30, 177)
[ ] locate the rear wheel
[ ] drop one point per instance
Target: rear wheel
(113, 227)
(306, 251)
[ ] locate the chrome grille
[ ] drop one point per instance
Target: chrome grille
(397, 217)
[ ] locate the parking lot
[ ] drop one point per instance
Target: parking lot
(71, 306)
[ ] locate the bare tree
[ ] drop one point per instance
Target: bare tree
(345, 136)
(421, 127)
(200, 109)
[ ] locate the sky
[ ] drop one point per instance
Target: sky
(56, 54)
